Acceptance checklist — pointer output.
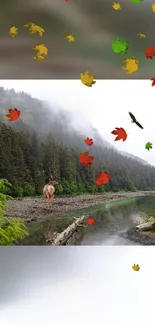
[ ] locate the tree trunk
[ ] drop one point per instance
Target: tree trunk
(62, 238)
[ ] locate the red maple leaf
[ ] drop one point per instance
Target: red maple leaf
(13, 115)
(91, 221)
(85, 159)
(121, 134)
(153, 82)
(103, 178)
(88, 141)
(149, 52)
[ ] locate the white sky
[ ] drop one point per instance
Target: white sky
(100, 288)
(105, 105)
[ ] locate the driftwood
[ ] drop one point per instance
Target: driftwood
(146, 226)
(63, 238)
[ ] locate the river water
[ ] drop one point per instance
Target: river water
(116, 222)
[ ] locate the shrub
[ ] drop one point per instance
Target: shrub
(10, 230)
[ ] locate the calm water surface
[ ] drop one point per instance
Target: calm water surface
(116, 222)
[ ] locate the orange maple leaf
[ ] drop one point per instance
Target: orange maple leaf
(13, 115)
(88, 141)
(121, 134)
(85, 159)
(103, 178)
(91, 221)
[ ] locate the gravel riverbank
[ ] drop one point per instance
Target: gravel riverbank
(36, 208)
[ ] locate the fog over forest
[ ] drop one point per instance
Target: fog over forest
(45, 142)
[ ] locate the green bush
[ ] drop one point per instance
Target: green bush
(17, 191)
(59, 190)
(10, 230)
(28, 189)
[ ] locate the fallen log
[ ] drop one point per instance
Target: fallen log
(146, 226)
(62, 238)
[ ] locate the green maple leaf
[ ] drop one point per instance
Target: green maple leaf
(136, 1)
(120, 47)
(148, 146)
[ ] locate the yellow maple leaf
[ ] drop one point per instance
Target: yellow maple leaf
(13, 31)
(136, 267)
(70, 38)
(131, 65)
(87, 79)
(153, 7)
(39, 57)
(41, 48)
(117, 6)
(141, 35)
(33, 29)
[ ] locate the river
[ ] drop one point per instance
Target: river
(116, 221)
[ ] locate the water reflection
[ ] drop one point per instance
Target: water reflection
(116, 223)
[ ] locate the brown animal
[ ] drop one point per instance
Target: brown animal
(48, 192)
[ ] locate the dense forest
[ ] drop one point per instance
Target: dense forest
(43, 142)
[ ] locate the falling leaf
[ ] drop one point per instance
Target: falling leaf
(88, 142)
(33, 29)
(85, 159)
(103, 178)
(13, 115)
(136, 267)
(149, 52)
(117, 6)
(148, 146)
(13, 31)
(136, 1)
(131, 65)
(41, 48)
(153, 82)
(121, 134)
(91, 221)
(87, 79)
(153, 7)
(141, 35)
(120, 47)
(70, 38)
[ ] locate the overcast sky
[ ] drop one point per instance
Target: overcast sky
(105, 106)
(76, 285)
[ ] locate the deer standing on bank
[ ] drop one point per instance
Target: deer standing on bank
(48, 192)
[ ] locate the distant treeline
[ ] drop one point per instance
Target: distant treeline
(27, 164)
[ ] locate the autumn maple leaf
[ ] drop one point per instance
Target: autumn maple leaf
(13, 115)
(87, 79)
(91, 221)
(70, 38)
(149, 52)
(41, 48)
(121, 134)
(85, 159)
(33, 29)
(153, 82)
(13, 31)
(103, 178)
(88, 142)
(135, 267)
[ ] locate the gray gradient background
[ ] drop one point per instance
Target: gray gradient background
(76, 285)
(93, 23)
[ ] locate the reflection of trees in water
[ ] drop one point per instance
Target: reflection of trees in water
(147, 205)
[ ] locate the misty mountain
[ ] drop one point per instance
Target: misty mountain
(42, 118)
(43, 142)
